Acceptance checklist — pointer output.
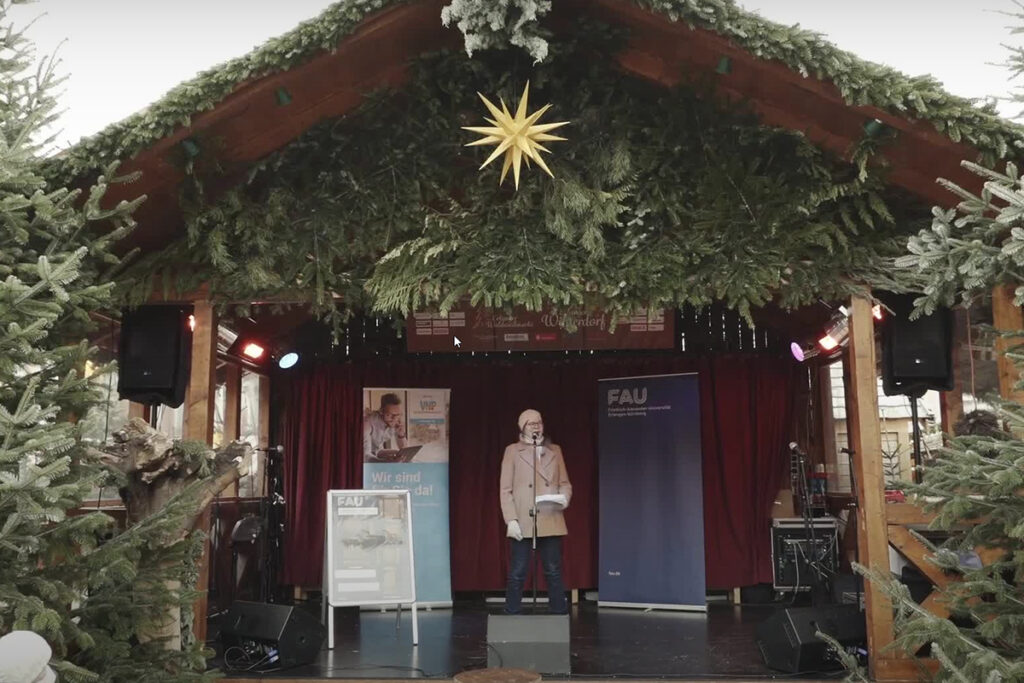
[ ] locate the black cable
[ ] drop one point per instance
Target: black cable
(501, 661)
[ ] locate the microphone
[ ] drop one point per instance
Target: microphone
(271, 449)
(794, 447)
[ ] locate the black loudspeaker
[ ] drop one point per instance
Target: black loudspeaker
(917, 355)
(788, 642)
(154, 354)
(296, 635)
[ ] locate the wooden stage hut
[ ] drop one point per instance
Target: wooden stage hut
(739, 178)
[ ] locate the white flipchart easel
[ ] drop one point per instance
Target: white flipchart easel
(356, 571)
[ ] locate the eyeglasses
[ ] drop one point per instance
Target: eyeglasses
(538, 423)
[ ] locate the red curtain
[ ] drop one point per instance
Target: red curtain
(746, 417)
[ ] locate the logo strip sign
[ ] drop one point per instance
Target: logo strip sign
(480, 329)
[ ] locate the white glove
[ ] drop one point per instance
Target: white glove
(514, 531)
(560, 499)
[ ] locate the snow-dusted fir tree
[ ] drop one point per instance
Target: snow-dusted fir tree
(976, 483)
(92, 593)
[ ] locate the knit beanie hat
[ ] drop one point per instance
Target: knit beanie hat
(528, 415)
(25, 658)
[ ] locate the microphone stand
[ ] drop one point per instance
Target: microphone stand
(533, 513)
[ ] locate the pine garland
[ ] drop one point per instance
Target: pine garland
(495, 23)
(661, 197)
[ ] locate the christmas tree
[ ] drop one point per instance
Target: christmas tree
(96, 595)
(975, 485)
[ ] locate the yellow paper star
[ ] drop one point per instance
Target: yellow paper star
(518, 137)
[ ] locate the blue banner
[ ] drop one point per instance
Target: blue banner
(405, 446)
(651, 527)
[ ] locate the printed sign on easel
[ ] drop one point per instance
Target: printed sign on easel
(369, 554)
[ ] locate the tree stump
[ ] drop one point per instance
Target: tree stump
(498, 675)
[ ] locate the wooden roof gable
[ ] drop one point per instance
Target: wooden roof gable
(327, 65)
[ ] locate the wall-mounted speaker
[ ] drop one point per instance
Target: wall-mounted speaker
(154, 354)
(917, 355)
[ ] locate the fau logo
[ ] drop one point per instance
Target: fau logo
(351, 501)
(623, 397)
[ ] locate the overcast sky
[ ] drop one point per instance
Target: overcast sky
(120, 55)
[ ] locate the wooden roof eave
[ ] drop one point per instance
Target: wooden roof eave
(249, 124)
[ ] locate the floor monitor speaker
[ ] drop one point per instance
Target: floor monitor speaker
(788, 640)
(296, 635)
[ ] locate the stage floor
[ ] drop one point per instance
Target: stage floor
(605, 643)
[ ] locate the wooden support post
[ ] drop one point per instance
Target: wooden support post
(1006, 316)
(264, 411)
(232, 411)
(828, 426)
(233, 402)
(199, 402)
(264, 434)
(202, 383)
(139, 410)
(866, 443)
(951, 403)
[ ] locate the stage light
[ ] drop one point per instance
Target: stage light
(836, 335)
(253, 351)
(802, 353)
(192, 323)
(283, 97)
(288, 360)
(874, 127)
(190, 147)
(724, 65)
(876, 311)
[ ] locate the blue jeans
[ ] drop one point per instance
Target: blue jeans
(550, 550)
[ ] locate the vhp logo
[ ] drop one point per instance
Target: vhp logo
(624, 397)
(428, 405)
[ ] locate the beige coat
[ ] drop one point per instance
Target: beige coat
(517, 488)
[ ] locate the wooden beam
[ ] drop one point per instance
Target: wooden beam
(917, 552)
(249, 124)
(827, 423)
(866, 443)
(1007, 317)
(202, 384)
(232, 411)
(139, 410)
(264, 434)
(936, 604)
(199, 403)
(951, 403)
(891, 668)
(906, 514)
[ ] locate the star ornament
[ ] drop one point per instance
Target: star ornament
(517, 137)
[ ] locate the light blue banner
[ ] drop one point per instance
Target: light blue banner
(428, 484)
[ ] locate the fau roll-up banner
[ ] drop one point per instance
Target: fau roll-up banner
(405, 446)
(650, 493)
